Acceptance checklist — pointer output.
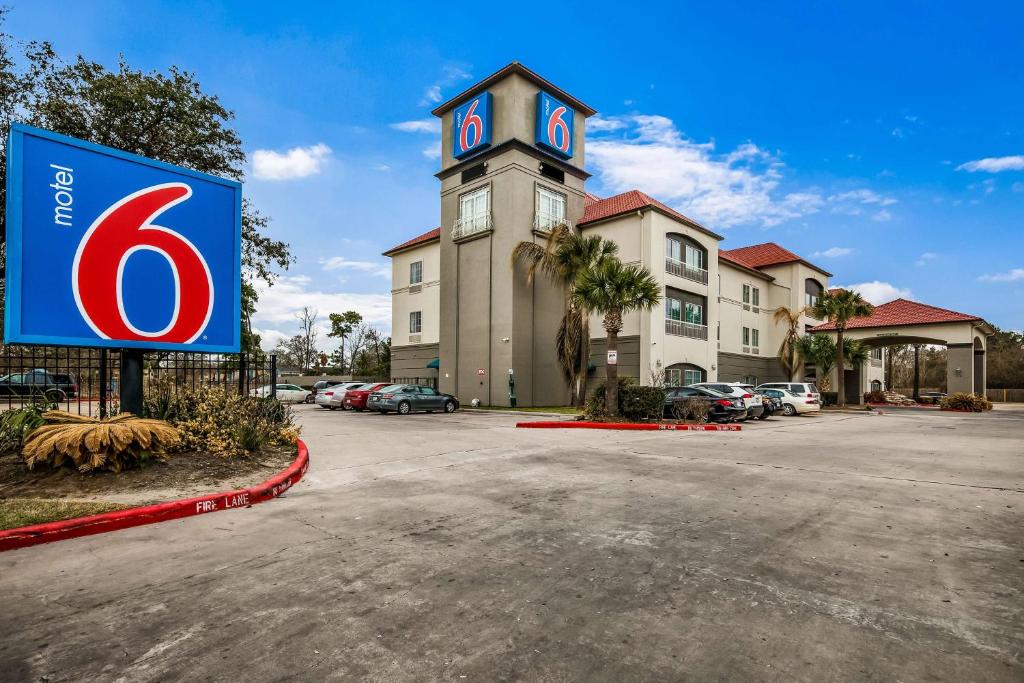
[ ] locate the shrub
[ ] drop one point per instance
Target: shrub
(217, 421)
(975, 403)
(691, 409)
(91, 444)
(875, 397)
(635, 402)
(15, 425)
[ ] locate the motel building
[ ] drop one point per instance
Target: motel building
(513, 166)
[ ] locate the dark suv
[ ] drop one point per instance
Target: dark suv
(39, 383)
(721, 408)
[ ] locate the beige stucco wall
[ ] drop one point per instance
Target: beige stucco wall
(427, 299)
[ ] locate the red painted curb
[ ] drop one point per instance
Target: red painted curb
(628, 426)
(161, 512)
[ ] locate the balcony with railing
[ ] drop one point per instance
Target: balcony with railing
(544, 222)
(471, 225)
(685, 270)
(681, 328)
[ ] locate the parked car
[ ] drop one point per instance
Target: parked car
(355, 399)
(406, 398)
(286, 393)
(325, 395)
(793, 402)
(334, 397)
(755, 408)
(40, 383)
(317, 388)
(721, 408)
(932, 397)
(772, 402)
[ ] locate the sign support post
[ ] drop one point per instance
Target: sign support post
(131, 381)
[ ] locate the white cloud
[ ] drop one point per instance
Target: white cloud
(881, 216)
(863, 196)
(924, 258)
(431, 125)
(450, 75)
(834, 252)
(434, 151)
(279, 304)
(297, 162)
(382, 167)
(431, 94)
(994, 164)
(649, 153)
(878, 292)
(598, 124)
(1009, 276)
(341, 263)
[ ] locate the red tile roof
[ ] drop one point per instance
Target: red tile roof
(628, 202)
(902, 312)
(430, 236)
(764, 255)
(589, 198)
(724, 255)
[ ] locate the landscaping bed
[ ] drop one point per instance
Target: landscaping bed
(49, 495)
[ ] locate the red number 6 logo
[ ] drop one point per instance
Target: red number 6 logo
(472, 119)
(556, 123)
(120, 231)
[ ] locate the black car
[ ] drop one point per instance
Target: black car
(406, 398)
(772, 403)
(721, 408)
(41, 384)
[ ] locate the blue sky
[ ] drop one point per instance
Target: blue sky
(883, 141)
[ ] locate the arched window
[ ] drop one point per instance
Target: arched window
(685, 257)
(812, 291)
(876, 385)
(682, 374)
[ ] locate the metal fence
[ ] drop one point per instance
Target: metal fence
(424, 381)
(87, 380)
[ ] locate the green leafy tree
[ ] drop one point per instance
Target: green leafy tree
(612, 289)
(839, 308)
(789, 351)
(342, 325)
(566, 255)
(164, 116)
(819, 349)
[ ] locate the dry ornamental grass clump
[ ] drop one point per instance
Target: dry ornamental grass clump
(90, 444)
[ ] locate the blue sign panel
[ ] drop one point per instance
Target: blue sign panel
(106, 248)
(554, 125)
(471, 126)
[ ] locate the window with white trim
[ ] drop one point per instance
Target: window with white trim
(755, 337)
(755, 296)
(746, 294)
(415, 322)
(746, 336)
(415, 272)
(550, 208)
(474, 210)
(692, 376)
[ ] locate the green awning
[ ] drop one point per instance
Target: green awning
(434, 364)
(591, 367)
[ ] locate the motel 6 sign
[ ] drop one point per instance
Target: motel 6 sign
(471, 126)
(554, 125)
(106, 248)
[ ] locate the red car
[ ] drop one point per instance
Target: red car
(356, 399)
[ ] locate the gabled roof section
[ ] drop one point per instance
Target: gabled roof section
(903, 312)
(759, 256)
(514, 68)
(723, 255)
(427, 237)
(628, 202)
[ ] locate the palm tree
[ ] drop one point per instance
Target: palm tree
(789, 352)
(839, 307)
(566, 255)
(612, 290)
(819, 349)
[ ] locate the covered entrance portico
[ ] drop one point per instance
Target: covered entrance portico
(909, 322)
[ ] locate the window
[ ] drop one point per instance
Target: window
(673, 249)
(694, 257)
(812, 291)
(746, 294)
(550, 209)
(750, 379)
(415, 322)
(692, 376)
(673, 309)
(694, 313)
(755, 297)
(876, 353)
(755, 337)
(681, 375)
(746, 336)
(416, 272)
(474, 212)
(686, 311)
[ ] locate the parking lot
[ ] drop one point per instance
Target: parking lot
(424, 547)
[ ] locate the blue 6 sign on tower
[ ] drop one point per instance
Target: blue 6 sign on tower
(554, 125)
(106, 248)
(471, 126)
